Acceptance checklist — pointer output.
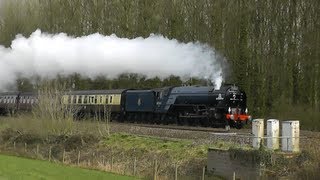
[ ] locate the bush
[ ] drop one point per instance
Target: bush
(50, 113)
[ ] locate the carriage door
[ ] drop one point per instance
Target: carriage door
(110, 99)
(92, 99)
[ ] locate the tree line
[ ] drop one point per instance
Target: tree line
(123, 81)
(273, 47)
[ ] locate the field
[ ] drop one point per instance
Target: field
(125, 150)
(21, 168)
(134, 151)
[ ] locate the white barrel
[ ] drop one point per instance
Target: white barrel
(290, 136)
(273, 134)
(258, 132)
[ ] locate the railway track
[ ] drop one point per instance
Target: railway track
(244, 132)
(185, 128)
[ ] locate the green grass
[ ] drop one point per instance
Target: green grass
(177, 149)
(128, 141)
(21, 168)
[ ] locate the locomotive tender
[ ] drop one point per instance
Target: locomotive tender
(192, 105)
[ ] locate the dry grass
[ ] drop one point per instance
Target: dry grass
(50, 113)
(189, 155)
(50, 116)
(309, 160)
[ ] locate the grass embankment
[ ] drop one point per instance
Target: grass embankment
(176, 149)
(120, 152)
(21, 168)
(115, 152)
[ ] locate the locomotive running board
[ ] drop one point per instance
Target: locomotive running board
(195, 116)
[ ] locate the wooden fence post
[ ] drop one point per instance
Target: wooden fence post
(203, 172)
(111, 163)
(155, 169)
(135, 166)
(93, 158)
(176, 172)
(25, 147)
(37, 151)
(14, 145)
(63, 155)
(78, 158)
(50, 153)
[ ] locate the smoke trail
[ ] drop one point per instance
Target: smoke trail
(47, 55)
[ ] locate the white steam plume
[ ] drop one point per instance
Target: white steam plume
(47, 55)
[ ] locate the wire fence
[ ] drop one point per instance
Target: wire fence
(284, 143)
(116, 162)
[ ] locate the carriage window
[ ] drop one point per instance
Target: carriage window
(32, 101)
(24, 99)
(101, 99)
(69, 99)
(96, 100)
(110, 99)
(28, 99)
(74, 99)
(80, 100)
(85, 100)
(106, 100)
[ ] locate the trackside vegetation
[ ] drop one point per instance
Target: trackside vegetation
(21, 168)
(138, 155)
(176, 149)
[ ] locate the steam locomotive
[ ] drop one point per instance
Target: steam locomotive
(184, 105)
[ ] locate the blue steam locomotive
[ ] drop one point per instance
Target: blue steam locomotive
(192, 105)
(184, 105)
